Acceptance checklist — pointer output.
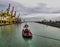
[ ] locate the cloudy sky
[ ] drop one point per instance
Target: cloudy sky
(34, 3)
(35, 8)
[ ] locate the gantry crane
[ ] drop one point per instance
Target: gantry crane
(9, 16)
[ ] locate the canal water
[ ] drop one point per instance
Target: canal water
(43, 36)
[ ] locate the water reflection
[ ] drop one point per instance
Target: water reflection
(27, 39)
(5, 35)
(6, 30)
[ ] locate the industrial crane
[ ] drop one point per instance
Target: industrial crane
(18, 18)
(9, 16)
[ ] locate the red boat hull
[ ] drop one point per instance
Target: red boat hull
(26, 34)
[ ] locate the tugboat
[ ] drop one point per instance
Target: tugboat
(26, 32)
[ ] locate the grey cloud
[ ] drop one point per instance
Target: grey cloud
(41, 8)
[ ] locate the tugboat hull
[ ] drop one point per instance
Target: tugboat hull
(26, 34)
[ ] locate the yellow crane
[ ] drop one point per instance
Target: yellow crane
(14, 18)
(7, 16)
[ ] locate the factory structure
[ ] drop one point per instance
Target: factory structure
(9, 16)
